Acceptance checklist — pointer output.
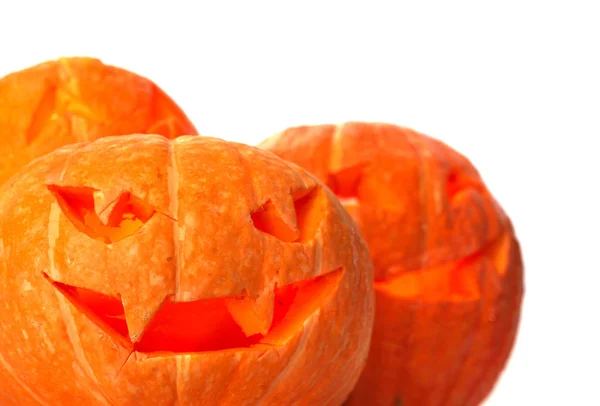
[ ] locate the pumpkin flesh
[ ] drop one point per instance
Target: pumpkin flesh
(74, 100)
(110, 313)
(448, 269)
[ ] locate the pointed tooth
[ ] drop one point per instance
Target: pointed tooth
(253, 314)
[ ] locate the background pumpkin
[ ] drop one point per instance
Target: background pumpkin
(75, 100)
(448, 268)
(139, 270)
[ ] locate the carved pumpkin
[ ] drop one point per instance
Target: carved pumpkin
(448, 269)
(143, 271)
(74, 100)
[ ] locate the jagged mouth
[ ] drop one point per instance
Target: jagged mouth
(457, 280)
(210, 324)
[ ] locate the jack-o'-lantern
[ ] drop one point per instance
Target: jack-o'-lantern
(76, 100)
(138, 270)
(448, 268)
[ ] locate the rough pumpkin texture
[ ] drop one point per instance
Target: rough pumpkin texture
(75, 100)
(139, 270)
(448, 267)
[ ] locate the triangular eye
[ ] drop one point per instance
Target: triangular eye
(310, 207)
(42, 115)
(459, 182)
(346, 182)
(128, 213)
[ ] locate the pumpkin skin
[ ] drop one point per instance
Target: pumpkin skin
(448, 267)
(224, 226)
(75, 100)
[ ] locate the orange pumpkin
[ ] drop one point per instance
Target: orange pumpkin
(143, 271)
(75, 100)
(448, 269)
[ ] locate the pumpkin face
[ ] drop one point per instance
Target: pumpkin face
(448, 269)
(140, 270)
(76, 100)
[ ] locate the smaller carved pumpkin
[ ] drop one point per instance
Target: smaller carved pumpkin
(138, 270)
(74, 100)
(448, 269)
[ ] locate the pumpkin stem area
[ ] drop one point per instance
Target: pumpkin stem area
(207, 325)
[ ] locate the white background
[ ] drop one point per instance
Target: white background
(513, 85)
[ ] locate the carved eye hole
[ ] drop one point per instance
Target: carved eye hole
(128, 214)
(345, 183)
(458, 183)
(309, 206)
(42, 115)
